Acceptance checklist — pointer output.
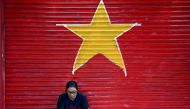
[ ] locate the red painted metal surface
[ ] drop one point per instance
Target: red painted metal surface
(40, 56)
(2, 94)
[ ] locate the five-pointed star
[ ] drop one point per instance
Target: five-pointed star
(99, 37)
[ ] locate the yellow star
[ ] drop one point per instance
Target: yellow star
(99, 37)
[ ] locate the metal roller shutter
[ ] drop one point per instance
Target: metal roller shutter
(40, 55)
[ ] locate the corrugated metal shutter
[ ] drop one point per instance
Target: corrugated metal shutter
(40, 55)
(2, 101)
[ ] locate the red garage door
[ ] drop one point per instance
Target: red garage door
(124, 54)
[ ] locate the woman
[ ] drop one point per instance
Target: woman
(72, 99)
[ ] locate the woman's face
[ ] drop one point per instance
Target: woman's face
(72, 93)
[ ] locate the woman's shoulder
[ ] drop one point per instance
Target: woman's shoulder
(80, 95)
(63, 95)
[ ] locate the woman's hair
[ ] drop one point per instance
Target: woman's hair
(71, 84)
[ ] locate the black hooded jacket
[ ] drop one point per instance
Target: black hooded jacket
(80, 102)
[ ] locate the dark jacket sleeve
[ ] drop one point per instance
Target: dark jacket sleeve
(85, 103)
(60, 104)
